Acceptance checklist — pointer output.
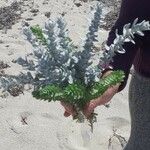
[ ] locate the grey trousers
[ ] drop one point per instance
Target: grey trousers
(139, 104)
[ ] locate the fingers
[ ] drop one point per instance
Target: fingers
(108, 95)
(66, 114)
(89, 108)
(69, 110)
(102, 100)
(114, 88)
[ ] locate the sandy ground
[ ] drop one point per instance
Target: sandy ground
(29, 124)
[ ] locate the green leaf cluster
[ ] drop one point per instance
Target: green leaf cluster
(76, 93)
(38, 33)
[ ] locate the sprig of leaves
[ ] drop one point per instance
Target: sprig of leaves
(37, 31)
(129, 32)
(77, 93)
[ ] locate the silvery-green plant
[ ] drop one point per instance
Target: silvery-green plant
(129, 32)
(66, 74)
(85, 72)
(6, 81)
(53, 50)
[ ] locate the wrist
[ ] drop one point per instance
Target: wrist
(106, 73)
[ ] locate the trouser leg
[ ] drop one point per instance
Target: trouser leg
(139, 104)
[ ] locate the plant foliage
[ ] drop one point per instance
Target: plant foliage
(65, 73)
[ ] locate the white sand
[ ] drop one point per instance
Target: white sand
(47, 128)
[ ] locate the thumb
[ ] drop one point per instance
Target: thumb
(92, 105)
(66, 114)
(89, 108)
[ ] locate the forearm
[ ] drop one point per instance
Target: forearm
(124, 61)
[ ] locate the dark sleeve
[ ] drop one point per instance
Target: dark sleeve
(124, 61)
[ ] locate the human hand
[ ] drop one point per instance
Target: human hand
(69, 110)
(89, 108)
(102, 100)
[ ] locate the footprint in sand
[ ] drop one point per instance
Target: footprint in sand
(50, 116)
(69, 137)
(117, 122)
